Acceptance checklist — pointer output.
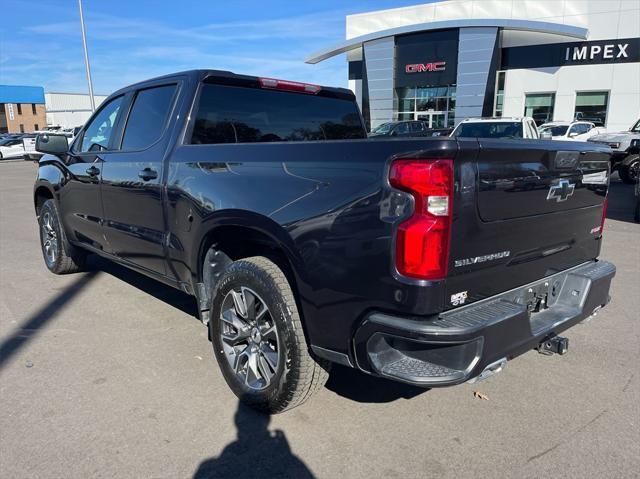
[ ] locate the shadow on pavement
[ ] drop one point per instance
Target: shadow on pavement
(622, 202)
(358, 386)
(257, 452)
(174, 297)
(36, 322)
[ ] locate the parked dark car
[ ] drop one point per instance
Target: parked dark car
(304, 243)
(400, 128)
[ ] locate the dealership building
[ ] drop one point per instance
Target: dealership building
(446, 61)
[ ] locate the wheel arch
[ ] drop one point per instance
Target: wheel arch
(41, 194)
(229, 237)
(630, 158)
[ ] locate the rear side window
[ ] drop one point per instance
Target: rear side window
(402, 129)
(148, 117)
(417, 126)
(229, 114)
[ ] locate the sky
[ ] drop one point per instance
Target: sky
(133, 40)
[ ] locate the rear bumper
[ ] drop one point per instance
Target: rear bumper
(458, 345)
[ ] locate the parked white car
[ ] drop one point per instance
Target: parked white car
(569, 130)
(11, 148)
(497, 128)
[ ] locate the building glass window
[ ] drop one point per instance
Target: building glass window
(33, 109)
(19, 105)
(499, 99)
(21, 128)
(592, 106)
(433, 105)
(35, 127)
(539, 106)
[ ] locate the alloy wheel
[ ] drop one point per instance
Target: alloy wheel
(249, 338)
(49, 238)
(634, 170)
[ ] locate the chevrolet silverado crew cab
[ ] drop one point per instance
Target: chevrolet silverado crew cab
(430, 261)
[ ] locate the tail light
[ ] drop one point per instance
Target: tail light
(422, 241)
(604, 214)
(286, 85)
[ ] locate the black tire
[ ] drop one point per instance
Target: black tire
(297, 375)
(630, 170)
(60, 257)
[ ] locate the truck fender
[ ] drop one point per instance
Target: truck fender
(210, 262)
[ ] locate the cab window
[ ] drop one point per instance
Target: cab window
(579, 129)
(417, 126)
(98, 133)
(148, 117)
(401, 129)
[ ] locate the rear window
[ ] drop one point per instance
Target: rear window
(502, 129)
(229, 114)
(557, 130)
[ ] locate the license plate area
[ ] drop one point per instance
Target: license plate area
(536, 297)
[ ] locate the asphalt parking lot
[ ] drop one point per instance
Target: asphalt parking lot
(109, 374)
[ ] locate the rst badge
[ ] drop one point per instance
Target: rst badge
(459, 298)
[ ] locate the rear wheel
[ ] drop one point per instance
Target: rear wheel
(60, 257)
(629, 171)
(258, 339)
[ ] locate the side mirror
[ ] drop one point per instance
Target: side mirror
(572, 134)
(546, 135)
(52, 144)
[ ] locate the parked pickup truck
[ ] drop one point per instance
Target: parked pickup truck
(429, 261)
(626, 152)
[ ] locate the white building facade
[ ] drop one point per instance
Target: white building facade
(68, 110)
(446, 61)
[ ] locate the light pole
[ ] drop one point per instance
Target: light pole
(86, 58)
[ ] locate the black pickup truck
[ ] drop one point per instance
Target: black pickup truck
(430, 261)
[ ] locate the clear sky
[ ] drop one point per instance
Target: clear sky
(41, 43)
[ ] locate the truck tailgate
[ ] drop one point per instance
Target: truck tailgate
(524, 210)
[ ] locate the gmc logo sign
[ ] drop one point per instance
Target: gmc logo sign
(425, 67)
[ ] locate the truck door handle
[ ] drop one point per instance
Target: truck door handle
(93, 171)
(148, 174)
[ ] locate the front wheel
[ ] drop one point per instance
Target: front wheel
(60, 257)
(629, 170)
(258, 339)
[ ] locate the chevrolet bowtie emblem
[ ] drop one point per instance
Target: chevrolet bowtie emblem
(561, 191)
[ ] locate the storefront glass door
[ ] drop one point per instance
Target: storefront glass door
(433, 105)
(436, 119)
